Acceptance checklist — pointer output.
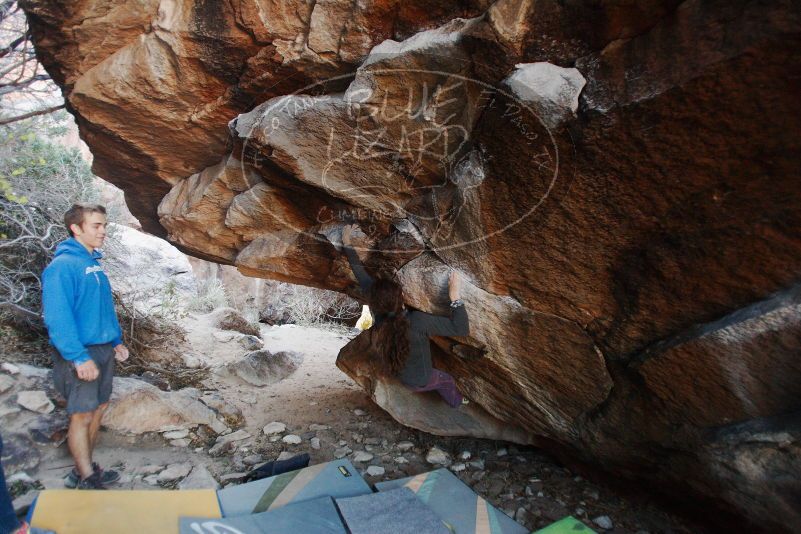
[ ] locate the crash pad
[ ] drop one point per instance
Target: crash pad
(316, 516)
(567, 525)
(397, 511)
(120, 511)
(332, 479)
(453, 501)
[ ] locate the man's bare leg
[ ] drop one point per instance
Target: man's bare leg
(79, 442)
(97, 416)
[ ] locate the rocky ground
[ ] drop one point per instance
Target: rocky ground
(211, 436)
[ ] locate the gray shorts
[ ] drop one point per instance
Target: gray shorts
(83, 396)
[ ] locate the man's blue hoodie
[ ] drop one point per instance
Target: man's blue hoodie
(77, 301)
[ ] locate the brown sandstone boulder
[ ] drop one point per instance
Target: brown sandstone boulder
(231, 319)
(262, 367)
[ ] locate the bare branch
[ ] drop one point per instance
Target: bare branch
(41, 239)
(13, 67)
(25, 58)
(6, 50)
(18, 86)
(8, 7)
(31, 114)
(19, 309)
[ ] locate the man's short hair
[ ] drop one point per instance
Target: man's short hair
(78, 212)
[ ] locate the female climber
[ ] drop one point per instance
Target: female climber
(403, 345)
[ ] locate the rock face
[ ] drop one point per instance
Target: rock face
(617, 183)
(145, 271)
(204, 63)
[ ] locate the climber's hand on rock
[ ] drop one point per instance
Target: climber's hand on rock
(347, 232)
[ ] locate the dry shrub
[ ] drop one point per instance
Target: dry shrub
(308, 306)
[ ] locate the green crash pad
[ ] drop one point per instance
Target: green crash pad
(567, 525)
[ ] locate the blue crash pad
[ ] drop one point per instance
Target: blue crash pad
(460, 507)
(397, 511)
(316, 516)
(332, 479)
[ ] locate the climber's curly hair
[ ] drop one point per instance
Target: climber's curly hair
(390, 340)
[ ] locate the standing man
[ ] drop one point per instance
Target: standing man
(83, 327)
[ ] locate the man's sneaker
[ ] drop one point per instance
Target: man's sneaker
(92, 482)
(106, 476)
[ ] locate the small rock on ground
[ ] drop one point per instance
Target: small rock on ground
(375, 471)
(274, 428)
(342, 452)
(174, 472)
(253, 459)
(176, 434)
(9, 368)
(35, 401)
(199, 478)
(362, 457)
(6, 383)
(251, 342)
(292, 439)
(150, 469)
(239, 435)
(604, 522)
(437, 456)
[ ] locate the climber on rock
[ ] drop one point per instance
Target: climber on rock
(401, 336)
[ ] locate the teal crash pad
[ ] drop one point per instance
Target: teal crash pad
(317, 516)
(332, 479)
(459, 506)
(396, 511)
